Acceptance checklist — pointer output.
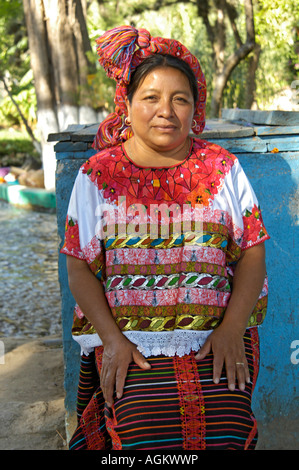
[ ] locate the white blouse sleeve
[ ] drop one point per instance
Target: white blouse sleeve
(239, 200)
(82, 221)
(248, 209)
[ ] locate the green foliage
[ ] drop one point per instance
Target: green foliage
(14, 141)
(276, 24)
(179, 21)
(15, 65)
(14, 148)
(24, 95)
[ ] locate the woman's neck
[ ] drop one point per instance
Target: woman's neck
(144, 156)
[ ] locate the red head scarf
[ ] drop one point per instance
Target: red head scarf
(120, 51)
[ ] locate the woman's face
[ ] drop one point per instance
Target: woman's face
(162, 108)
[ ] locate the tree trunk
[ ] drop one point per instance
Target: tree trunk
(58, 42)
(44, 83)
(86, 111)
(225, 68)
(250, 101)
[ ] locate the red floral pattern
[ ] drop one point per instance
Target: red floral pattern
(253, 226)
(195, 181)
(71, 238)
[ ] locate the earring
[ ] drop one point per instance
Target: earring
(194, 124)
(127, 122)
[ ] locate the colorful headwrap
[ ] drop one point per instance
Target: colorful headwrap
(120, 51)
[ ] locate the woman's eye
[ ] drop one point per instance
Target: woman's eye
(180, 99)
(151, 97)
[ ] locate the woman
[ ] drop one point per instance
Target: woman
(166, 262)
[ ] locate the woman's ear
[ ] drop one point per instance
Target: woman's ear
(128, 105)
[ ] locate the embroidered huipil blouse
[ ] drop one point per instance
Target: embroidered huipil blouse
(164, 243)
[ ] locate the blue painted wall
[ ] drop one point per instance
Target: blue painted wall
(66, 171)
(275, 180)
(274, 177)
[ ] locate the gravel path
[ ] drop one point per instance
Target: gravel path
(32, 410)
(29, 287)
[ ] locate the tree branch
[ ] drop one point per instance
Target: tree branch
(36, 143)
(233, 60)
(232, 15)
(220, 40)
(203, 12)
(158, 5)
(249, 22)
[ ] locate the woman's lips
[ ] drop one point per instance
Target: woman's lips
(162, 128)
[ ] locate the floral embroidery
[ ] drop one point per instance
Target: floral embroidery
(72, 235)
(201, 196)
(253, 225)
(217, 168)
(195, 181)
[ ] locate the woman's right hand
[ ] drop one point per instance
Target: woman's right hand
(119, 352)
(117, 356)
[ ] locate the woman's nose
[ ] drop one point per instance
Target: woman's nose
(165, 108)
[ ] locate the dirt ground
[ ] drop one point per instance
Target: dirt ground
(32, 413)
(32, 395)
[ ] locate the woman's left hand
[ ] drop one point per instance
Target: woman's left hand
(226, 341)
(228, 349)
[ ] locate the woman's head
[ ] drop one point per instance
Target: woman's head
(160, 61)
(121, 51)
(160, 109)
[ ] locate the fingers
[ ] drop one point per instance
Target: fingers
(120, 382)
(114, 371)
(140, 361)
(122, 374)
(204, 350)
(242, 373)
(237, 372)
(228, 355)
(107, 380)
(217, 368)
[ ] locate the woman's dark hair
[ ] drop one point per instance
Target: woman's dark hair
(161, 60)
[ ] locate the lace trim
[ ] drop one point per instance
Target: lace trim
(152, 343)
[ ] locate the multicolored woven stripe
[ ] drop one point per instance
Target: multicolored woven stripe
(120, 51)
(173, 406)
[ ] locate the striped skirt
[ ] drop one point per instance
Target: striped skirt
(173, 406)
